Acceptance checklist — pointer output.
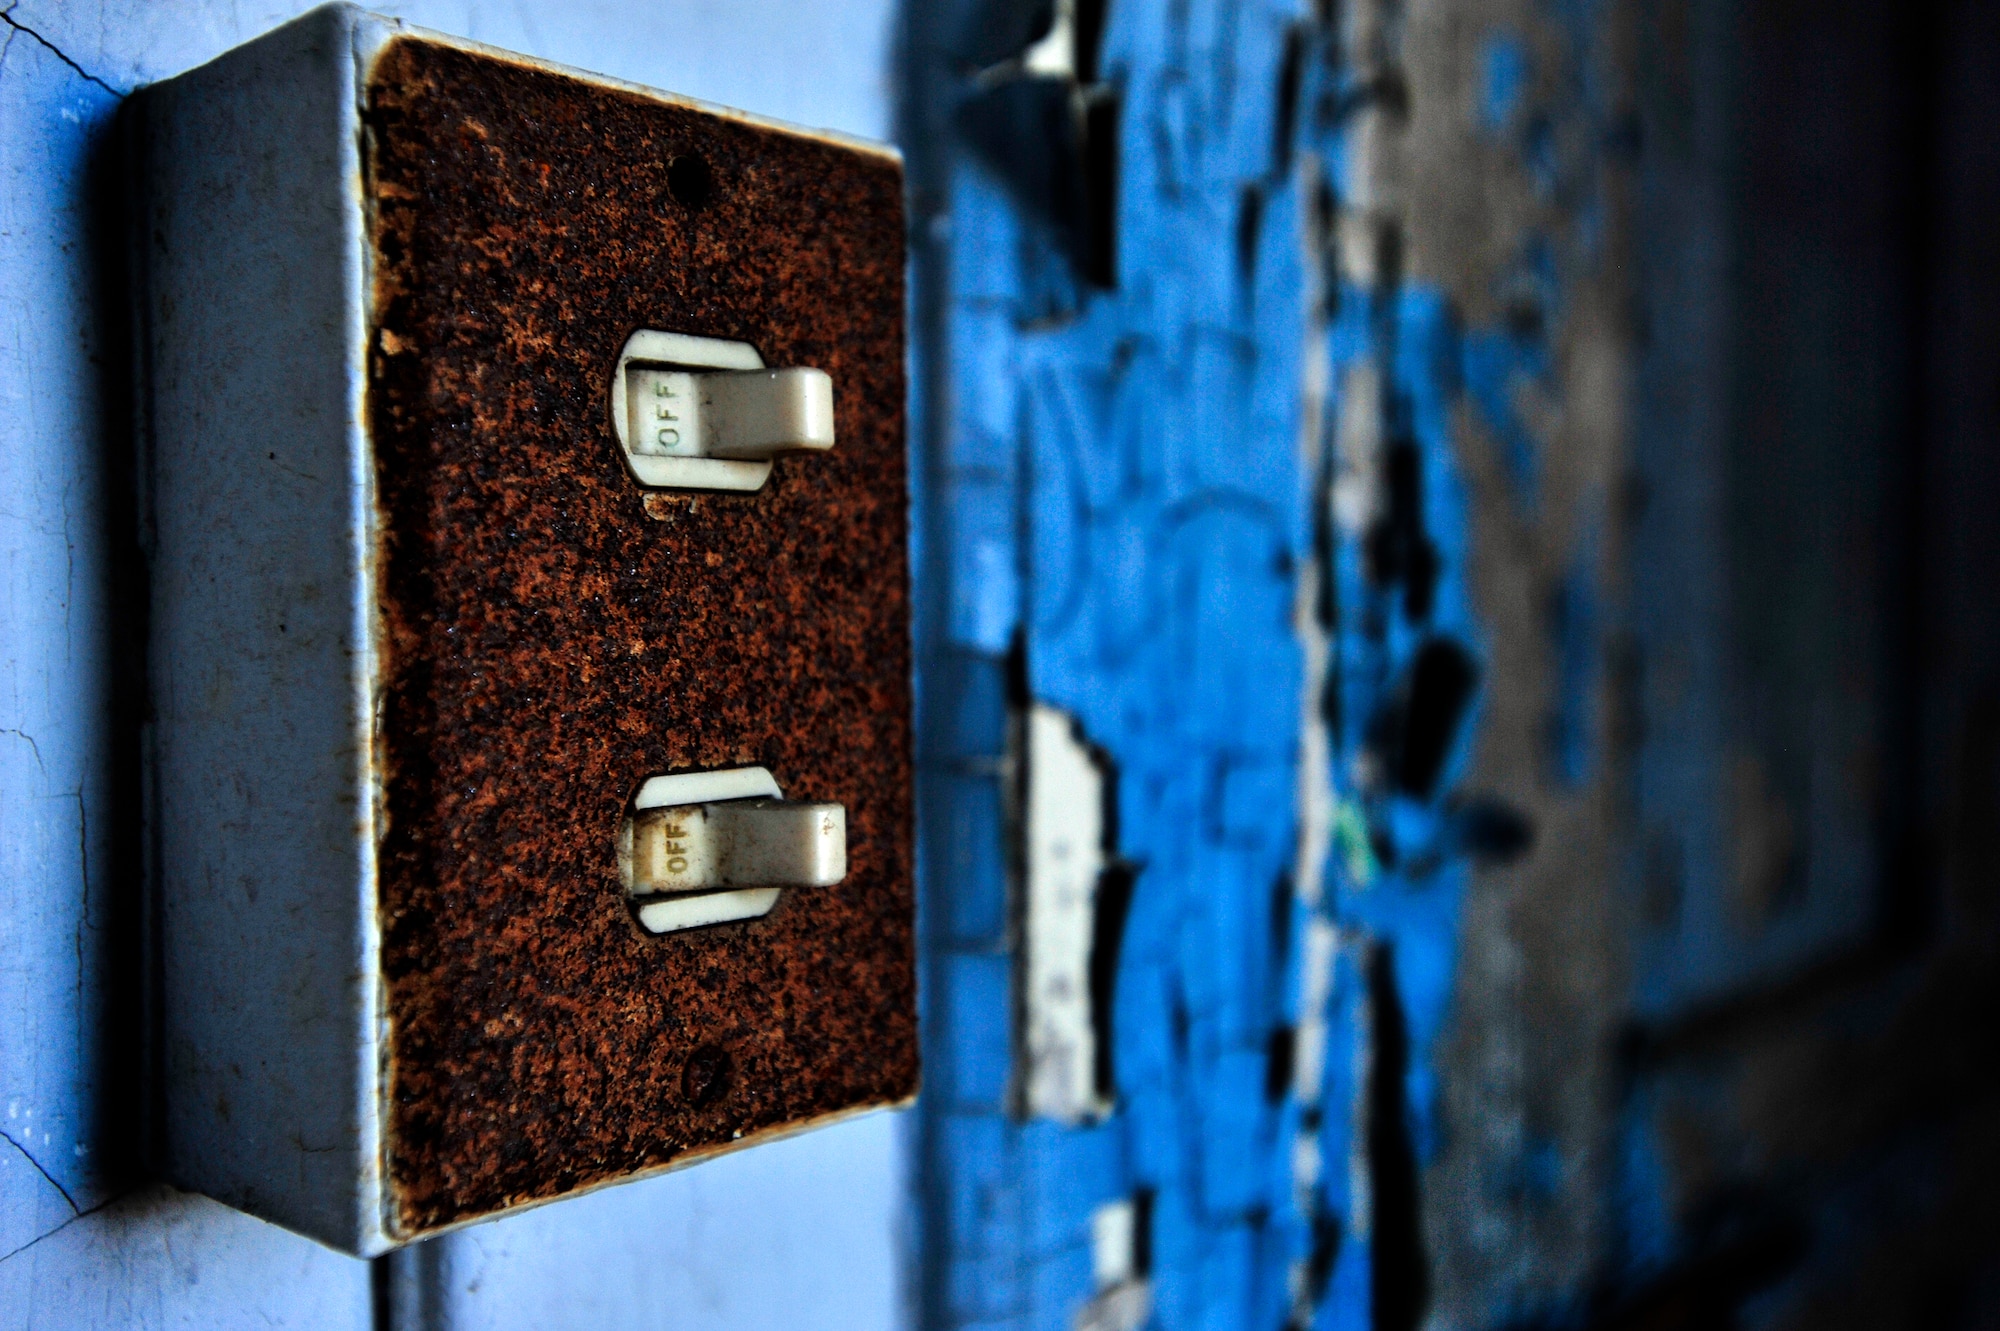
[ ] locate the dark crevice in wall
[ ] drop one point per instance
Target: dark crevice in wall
(996, 30)
(1090, 17)
(407, 1289)
(1490, 831)
(1399, 1264)
(1908, 900)
(1412, 735)
(1115, 887)
(1282, 892)
(1180, 1023)
(1279, 1047)
(1143, 1200)
(1249, 232)
(381, 1293)
(1320, 1261)
(1053, 139)
(1291, 77)
(1325, 538)
(1399, 549)
(1098, 251)
(129, 1115)
(1055, 145)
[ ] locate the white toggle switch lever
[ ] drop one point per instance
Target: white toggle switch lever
(745, 843)
(752, 414)
(702, 413)
(709, 847)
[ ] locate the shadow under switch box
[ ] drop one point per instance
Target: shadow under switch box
(530, 651)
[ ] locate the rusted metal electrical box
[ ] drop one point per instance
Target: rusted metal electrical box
(530, 628)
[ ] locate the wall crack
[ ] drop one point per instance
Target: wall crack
(30, 1157)
(18, 28)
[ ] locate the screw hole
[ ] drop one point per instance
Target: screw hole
(692, 183)
(705, 1078)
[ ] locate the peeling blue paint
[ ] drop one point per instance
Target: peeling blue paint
(1157, 520)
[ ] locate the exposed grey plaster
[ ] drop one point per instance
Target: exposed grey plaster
(1514, 202)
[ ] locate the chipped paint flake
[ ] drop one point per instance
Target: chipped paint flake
(1064, 857)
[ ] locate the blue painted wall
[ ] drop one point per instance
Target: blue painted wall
(1129, 486)
(1482, 515)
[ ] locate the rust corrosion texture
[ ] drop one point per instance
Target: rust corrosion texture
(553, 635)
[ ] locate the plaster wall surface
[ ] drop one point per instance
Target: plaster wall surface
(1507, 518)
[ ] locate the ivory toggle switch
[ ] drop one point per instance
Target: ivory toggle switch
(710, 847)
(747, 414)
(700, 413)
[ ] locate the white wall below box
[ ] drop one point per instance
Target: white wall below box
(794, 1234)
(156, 1258)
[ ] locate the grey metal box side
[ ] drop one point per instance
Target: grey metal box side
(262, 656)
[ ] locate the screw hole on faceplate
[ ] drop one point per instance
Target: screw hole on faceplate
(692, 183)
(705, 1078)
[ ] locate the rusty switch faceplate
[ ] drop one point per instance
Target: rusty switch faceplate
(420, 635)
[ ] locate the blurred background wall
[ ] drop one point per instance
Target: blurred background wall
(1579, 912)
(1491, 499)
